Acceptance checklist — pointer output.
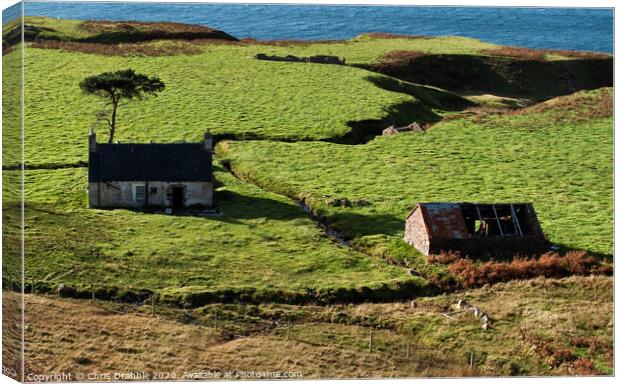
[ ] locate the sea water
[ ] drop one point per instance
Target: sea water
(553, 28)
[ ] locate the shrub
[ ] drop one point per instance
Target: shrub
(593, 343)
(585, 367)
(548, 265)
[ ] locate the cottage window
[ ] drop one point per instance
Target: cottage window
(139, 193)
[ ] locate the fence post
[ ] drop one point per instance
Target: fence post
(408, 348)
(92, 294)
(288, 330)
(32, 289)
(153, 305)
(471, 360)
(370, 342)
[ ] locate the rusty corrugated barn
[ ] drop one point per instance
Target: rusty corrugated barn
(475, 229)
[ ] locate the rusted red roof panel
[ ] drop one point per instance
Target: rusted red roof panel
(444, 220)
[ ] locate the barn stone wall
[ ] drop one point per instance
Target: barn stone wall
(416, 233)
(121, 194)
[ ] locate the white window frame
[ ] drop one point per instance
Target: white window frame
(135, 193)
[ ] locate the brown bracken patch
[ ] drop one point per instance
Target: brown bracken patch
(579, 107)
(560, 356)
(397, 59)
(106, 26)
(594, 105)
(540, 54)
(130, 49)
(469, 274)
(380, 35)
(289, 43)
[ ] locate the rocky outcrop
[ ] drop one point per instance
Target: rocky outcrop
(394, 130)
(319, 59)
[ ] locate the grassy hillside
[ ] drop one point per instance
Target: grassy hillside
(301, 132)
(539, 327)
(535, 78)
(223, 88)
(262, 242)
(557, 155)
(41, 29)
(558, 158)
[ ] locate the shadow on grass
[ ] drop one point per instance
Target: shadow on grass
(511, 77)
(421, 110)
(352, 225)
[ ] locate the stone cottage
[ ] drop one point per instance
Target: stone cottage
(475, 229)
(178, 175)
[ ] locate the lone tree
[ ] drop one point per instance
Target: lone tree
(114, 86)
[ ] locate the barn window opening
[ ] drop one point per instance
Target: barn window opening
(153, 190)
(492, 220)
(139, 193)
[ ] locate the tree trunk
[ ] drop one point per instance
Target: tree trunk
(113, 120)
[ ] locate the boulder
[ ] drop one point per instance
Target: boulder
(66, 291)
(414, 127)
(338, 202)
(360, 202)
(389, 131)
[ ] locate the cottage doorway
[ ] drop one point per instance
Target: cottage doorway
(178, 197)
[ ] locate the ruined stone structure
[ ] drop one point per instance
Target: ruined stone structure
(475, 229)
(317, 59)
(175, 175)
(394, 130)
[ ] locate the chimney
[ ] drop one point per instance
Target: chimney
(92, 141)
(208, 141)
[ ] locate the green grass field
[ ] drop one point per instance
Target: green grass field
(264, 240)
(300, 132)
(225, 90)
(559, 159)
(261, 241)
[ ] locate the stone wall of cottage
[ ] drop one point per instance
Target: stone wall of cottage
(122, 194)
(415, 232)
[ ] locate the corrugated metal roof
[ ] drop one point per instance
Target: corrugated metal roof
(150, 162)
(444, 220)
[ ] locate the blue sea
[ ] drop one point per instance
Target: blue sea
(554, 28)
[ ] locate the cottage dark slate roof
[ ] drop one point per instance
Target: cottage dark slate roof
(150, 162)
